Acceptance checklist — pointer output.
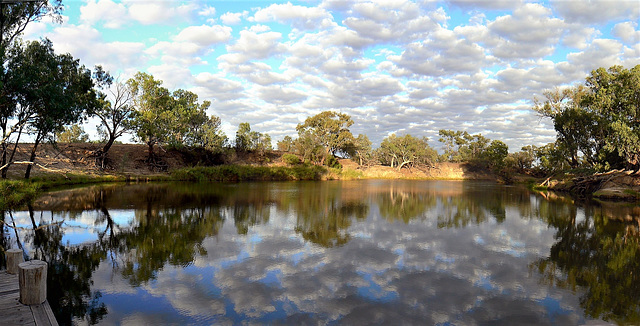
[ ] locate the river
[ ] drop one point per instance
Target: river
(332, 252)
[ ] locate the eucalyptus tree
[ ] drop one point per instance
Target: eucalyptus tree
(598, 123)
(49, 91)
(361, 150)
(406, 151)
(251, 140)
(152, 116)
(327, 129)
(14, 18)
(115, 112)
(72, 134)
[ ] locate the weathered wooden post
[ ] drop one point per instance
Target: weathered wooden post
(14, 258)
(33, 282)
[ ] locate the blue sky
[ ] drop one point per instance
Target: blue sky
(395, 66)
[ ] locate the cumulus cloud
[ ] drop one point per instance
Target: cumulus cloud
(87, 43)
(204, 35)
(148, 13)
(597, 11)
(112, 14)
(627, 32)
(232, 18)
(300, 17)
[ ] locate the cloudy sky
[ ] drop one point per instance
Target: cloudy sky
(395, 66)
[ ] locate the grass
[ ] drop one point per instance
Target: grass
(17, 193)
(235, 173)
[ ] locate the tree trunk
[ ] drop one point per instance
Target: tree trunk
(33, 156)
(151, 154)
(4, 160)
(13, 153)
(107, 146)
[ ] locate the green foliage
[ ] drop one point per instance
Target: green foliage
(153, 116)
(291, 159)
(597, 123)
(72, 134)
(177, 119)
(213, 139)
(235, 173)
(406, 151)
(332, 162)
(460, 146)
(327, 130)
(248, 140)
(14, 194)
(287, 144)
(495, 155)
(361, 150)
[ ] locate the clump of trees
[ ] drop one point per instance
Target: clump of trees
(597, 123)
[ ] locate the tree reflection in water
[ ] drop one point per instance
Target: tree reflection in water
(170, 223)
(597, 251)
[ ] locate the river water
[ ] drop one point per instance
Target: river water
(333, 252)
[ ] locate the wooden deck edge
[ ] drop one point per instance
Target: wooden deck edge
(43, 315)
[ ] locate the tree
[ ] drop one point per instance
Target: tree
(243, 137)
(461, 146)
(213, 139)
(525, 158)
(153, 118)
(189, 118)
(598, 123)
(248, 140)
(495, 155)
(72, 134)
(614, 98)
(406, 151)
(452, 141)
(361, 149)
(329, 130)
(286, 144)
(16, 17)
(49, 90)
(116, 112)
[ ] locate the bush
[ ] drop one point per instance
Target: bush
(332, 162)
(235, 173)
(290, 159)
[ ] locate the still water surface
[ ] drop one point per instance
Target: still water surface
(357, 252)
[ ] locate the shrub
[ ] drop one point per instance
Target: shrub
(291, 159)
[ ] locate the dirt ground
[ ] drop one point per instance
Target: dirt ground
(129, 159)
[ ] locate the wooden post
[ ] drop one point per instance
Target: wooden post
(33, 282)
(14, 258)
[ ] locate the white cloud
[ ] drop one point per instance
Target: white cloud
(253, 45)
(148, 13)
(300, 17)
(597, 11)
(486, 4)
(204, 35)
(114, 15)
(627, 32)
(87, 44)
(530, 32)
(231, 18)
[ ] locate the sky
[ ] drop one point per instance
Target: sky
(395, 66)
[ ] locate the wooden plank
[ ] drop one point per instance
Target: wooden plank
(13, 312)
(52, 318)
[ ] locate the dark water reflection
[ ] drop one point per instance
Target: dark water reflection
(361, 252)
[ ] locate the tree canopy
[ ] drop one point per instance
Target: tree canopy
(598, 123)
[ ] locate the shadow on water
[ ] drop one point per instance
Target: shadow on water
(596, 253)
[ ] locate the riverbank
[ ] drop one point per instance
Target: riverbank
(621, 185)
(69, 164)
